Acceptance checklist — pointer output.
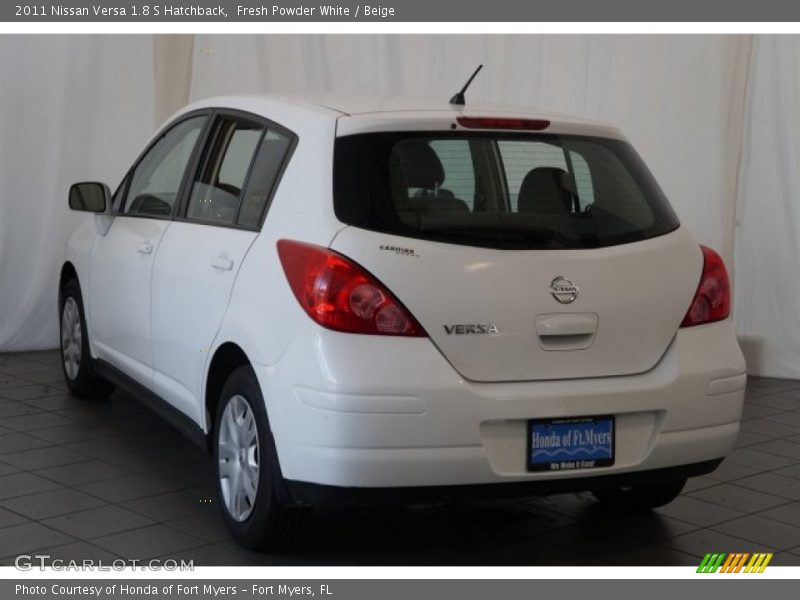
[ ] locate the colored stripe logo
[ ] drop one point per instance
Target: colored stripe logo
(736, 562)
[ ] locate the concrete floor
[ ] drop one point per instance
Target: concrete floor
(107, 479)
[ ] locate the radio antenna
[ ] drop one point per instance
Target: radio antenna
(458, 99)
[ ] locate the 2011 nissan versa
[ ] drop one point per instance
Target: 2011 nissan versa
(362, 300)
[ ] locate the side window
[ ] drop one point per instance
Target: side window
(217, 190)
(266, 167)
(156, 180)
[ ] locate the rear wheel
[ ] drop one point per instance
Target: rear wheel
(248, 474)
(75, 357)
(640, 497)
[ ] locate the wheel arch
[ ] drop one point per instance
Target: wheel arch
(68, 273)
(228, 357)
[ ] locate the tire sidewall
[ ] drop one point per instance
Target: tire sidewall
(72, 290)
(249, 532)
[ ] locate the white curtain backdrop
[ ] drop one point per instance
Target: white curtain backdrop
(71, 109)
(76, 108)
(767, 300)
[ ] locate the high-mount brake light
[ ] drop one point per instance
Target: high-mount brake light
(503, 123)
(339, 294)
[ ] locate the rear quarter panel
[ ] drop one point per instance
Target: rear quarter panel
(263, 314)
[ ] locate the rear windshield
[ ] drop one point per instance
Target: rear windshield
(513, 191)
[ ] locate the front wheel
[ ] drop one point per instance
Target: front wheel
(76, 359)
(640, 497)
(248, 474)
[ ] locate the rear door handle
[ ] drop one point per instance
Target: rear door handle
(145, 248)
(222, 263)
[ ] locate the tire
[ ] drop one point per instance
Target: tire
(250, 486)
(640, 497)
(76, 360)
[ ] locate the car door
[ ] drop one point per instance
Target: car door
(122, 259)
(204, 247)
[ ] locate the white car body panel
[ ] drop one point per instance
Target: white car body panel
(632, 324)
(373, 411)
(401, 416)
(193, 275)
(120, 269)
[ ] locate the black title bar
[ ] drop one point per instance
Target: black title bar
(403, 11)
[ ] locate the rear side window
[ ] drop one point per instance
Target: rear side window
(217, 190)
(516, 191)
(237, 174)
(272, 152)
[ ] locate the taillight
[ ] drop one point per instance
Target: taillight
(503, 123)
(712, 301)
(339, 294)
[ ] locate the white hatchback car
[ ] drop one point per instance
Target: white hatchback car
(359, 300)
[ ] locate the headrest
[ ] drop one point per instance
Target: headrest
(545, 190)
(416, 164)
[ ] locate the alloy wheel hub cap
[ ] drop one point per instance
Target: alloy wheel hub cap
(239, 457)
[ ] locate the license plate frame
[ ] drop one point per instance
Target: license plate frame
(579, 452)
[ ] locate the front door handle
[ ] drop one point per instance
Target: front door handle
(222, 263)
(145, 248)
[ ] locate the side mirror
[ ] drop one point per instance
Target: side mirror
(89, 196)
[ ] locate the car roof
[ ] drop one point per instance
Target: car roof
(355, 105)
(357, 109)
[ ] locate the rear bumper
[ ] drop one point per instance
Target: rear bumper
(353, 411)
(317, 495)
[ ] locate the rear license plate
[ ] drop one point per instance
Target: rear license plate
(570, 443)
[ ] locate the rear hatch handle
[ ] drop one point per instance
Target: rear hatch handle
(566, 331)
